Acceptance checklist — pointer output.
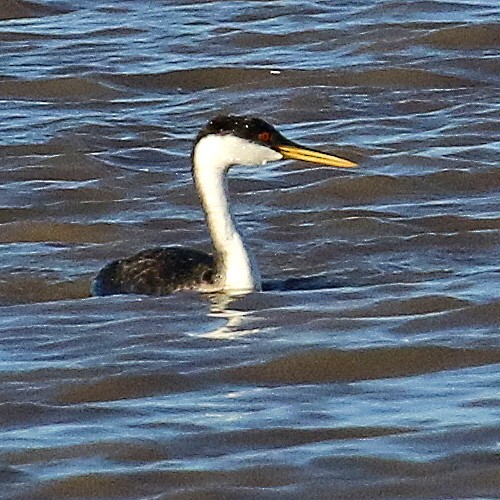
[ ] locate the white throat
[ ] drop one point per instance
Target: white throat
(212, 157)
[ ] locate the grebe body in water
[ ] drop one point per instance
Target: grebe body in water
(224, 142)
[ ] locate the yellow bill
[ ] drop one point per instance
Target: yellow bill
(297, 152)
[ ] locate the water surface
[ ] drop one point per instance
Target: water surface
(375, 374)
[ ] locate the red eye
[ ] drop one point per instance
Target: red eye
(264, 136)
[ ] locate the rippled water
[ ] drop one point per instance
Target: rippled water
(376, 375)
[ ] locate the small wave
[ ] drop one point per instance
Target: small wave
(370, 188)
(133, 450)
(412, 306)
(67, 88)
(193, 79)
(328, 365)
(19, 414)
(222, 77)
(486, 36)
(18, 9)
(335, 477)
(116, 32)
(17, 232)
(482, 315)
(213, 443)
(24, 286)
(16, 36)
(124, 387)
(406, 78)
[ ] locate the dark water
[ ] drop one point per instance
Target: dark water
(376, 375)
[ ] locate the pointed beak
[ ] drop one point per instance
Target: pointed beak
(292, 151)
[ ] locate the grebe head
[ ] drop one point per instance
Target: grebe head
(241, 140)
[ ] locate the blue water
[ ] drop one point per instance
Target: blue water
(375, 375)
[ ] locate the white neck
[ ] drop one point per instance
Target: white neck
(212, 157)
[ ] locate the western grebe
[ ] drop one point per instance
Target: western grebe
(225, 141)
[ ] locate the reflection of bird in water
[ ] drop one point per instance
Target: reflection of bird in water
(225, 141)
